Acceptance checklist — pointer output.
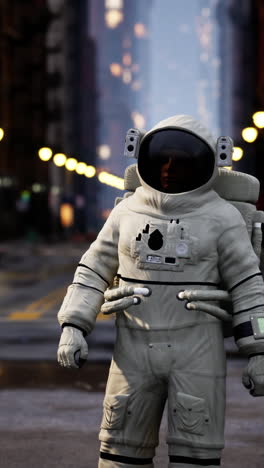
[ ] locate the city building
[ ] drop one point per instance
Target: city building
(120, 31)
(23, 179)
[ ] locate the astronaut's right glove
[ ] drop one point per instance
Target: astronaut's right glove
(253, 375)
(73, 349)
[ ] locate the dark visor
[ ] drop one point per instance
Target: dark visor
(175, 161)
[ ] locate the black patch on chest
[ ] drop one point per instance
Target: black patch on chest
(155, 241)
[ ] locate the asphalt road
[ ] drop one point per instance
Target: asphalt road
(33, 283)
(57, 427)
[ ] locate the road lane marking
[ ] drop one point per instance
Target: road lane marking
(38, 308)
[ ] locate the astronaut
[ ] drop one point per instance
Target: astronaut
(174, 233)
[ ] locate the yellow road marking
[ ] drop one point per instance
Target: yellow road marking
(38, 308)
(23, 316)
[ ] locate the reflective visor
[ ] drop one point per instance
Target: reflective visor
(175, 161)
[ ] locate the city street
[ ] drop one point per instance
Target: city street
(50, 416)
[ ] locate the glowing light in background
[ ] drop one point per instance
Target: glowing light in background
(104, 151)
(55, 190)
(138, 119)
(38, 188)
(114, 4)
(116, 69)
(249, 134)
(140, 30)
(2, 134)
(45, 154)
(71, 164)
(90, 171)
(127, 76)
(237, 153)
(258, 119)
(112, 180)
(66, 215)
(113, 18)
(127, 59)
(25, 195)
(59, 159)
(136, 85)
(81, 168)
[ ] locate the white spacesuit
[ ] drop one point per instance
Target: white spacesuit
(174, 233)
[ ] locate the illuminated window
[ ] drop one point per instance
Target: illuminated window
(140, 30)
(138, 119)
(127, 60)
(114, 4)
(113, 18)
(116, 69)
(104, 151)
(127, 77)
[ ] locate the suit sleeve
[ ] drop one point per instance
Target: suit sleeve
(95, 272)
(239, 269)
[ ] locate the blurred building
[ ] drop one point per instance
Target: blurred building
(72, 115)
(242, 79)
(47, 99)
(23, 179)
(120, 30)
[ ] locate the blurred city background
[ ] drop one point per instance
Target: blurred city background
(75, 75)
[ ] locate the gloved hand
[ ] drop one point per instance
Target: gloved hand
(253, 375)
(118, 299)
(71, 344)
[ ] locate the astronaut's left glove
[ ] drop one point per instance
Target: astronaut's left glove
(253, 375)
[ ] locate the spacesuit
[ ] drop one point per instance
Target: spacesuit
(174, 233)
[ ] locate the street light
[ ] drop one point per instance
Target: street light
(2, 134)
(71, 164)
(258, 119)
(45, 153)
(249, 134)
(237, 153)
(81, 168)
(90, 171)
(59, 159)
